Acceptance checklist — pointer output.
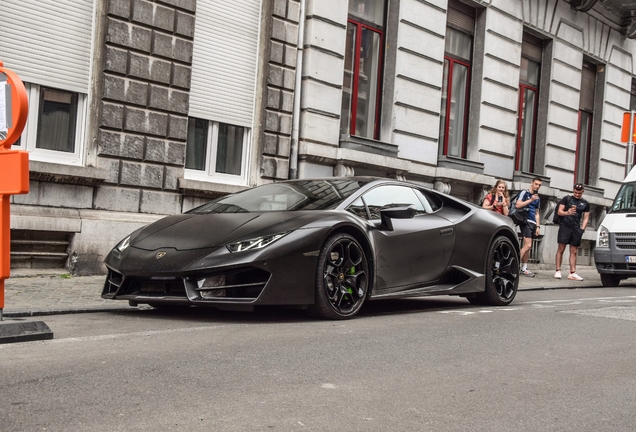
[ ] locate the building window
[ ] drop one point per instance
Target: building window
(55, 125)
(584, 130)
(216, 150)
(531, 50)
(456, 79)
(363, 69)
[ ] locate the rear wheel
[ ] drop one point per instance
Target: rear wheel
(342, 278)
(502, 274)
(609, 280)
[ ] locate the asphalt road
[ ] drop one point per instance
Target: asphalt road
(558, 360)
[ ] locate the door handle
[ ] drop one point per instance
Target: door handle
(446, 232)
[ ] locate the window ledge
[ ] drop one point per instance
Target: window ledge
(368, 145)
(58, 173)
(460, 164)
(208, 189)
(522, 177)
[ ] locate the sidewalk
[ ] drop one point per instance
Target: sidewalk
(33, 293)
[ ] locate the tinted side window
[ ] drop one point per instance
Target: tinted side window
(391, 196)
(358, 209)
(431, 202)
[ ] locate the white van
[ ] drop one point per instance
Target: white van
(615, 253)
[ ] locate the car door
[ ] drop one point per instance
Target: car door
(417, 250)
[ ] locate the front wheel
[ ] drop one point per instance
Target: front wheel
(609, 280)
(502, 274)
(342, 278)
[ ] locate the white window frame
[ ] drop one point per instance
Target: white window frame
(28, 140)
(209, 174)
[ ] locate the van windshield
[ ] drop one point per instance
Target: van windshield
(625, 201)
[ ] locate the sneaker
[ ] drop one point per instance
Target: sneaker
(574, 276)
(527, 273)
(557, 275)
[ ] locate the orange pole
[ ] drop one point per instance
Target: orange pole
(14, 170)
(5, 242)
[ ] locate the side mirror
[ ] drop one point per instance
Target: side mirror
(401, 212)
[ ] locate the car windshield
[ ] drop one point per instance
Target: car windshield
(285, 196)
(625, 201)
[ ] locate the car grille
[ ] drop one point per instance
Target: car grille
(149, 287)
(243, 284)
(625, 241)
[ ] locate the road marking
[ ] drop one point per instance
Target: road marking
(119, 335)
(544, 304)
(579, 300)
(466, 312)
(627, 313)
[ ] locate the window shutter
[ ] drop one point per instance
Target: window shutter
(48, 42)
(224, 61)
(588, 80)
(531, 47)
(461, 16)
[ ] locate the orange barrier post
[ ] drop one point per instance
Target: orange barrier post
(14, 164)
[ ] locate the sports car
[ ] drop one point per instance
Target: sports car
(325, 245)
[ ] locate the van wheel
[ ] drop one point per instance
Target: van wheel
(609, 280)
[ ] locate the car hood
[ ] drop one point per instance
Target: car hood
(198, 231)
(619, 222)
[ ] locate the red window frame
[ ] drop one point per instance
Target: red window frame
(522, 92)
(588, 145)
(451, 62)
(356, 74)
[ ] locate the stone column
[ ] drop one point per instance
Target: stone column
(280, 71)
(142, 117)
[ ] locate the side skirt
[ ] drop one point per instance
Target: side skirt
(472, 282)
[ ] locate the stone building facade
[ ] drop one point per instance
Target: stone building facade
(169, 103)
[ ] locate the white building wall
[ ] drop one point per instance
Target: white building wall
(418, 51)
(418, 80)
(323, 70)
(499, 93)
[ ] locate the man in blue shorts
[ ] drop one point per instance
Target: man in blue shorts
(531, 227)
(571, 209)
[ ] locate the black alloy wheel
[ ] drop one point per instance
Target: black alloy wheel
(342, 278)
(502, 274)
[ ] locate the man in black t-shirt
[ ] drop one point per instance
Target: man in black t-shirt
(571, 209)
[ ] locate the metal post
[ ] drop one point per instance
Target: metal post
(630, 144)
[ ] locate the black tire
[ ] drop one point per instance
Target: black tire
(609, 280)
(502, 274)
(342, 278)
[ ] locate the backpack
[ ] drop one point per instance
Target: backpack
(556, 219)
(518, 215)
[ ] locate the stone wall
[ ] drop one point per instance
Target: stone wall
(142, 119)
(280, 71)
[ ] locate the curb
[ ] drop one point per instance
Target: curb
(44, 312)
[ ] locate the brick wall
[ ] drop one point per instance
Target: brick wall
(279, 97)
(144, 104)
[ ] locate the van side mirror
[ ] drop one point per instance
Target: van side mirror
(401, 212)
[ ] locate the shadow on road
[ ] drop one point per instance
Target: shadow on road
(278, 314)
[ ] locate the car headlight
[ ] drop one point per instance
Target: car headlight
(256, 243)
(122, 245)
(603, 237)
